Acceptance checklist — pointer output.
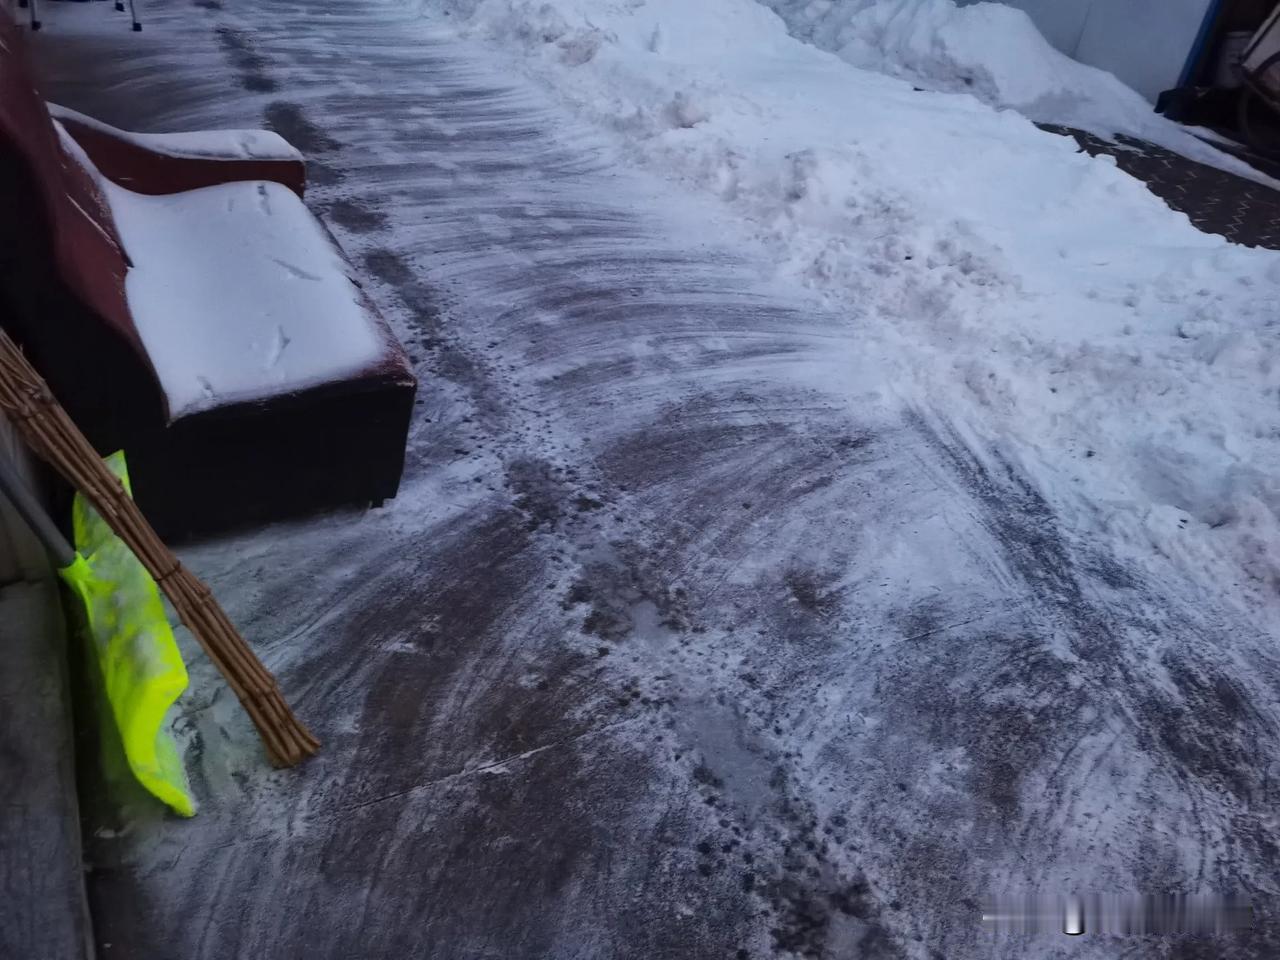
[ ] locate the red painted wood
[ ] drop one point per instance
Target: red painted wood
(88, 251)
(90, 257)
(148, 171)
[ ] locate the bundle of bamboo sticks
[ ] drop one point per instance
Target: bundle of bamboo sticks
(26, 400)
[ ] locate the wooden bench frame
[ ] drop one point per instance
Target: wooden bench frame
(62, 295)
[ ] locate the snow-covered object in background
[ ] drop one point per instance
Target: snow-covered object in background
(236, 291)
(197, 144)
(985, 265)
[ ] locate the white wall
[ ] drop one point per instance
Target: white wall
(1143, 42)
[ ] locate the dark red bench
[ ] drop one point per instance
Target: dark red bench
(185, 307)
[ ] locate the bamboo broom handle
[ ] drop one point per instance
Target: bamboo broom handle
(25, 398)
(57, 438)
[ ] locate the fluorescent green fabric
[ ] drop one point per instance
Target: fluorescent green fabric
(141, 668)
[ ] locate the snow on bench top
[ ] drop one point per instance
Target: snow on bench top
(237, 292)
(198, 144)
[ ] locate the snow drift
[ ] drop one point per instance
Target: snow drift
(984, 264)
(994, 52)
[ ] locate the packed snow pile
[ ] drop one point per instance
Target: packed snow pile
(989, 49)
(986, 267)
(993, 51)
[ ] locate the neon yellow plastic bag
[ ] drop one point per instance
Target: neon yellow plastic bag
(141, 668)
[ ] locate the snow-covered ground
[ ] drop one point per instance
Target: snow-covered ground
(988, 266)
(828, 502)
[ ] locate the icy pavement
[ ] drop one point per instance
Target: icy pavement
(693, 632)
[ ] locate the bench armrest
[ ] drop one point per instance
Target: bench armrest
(162, 163)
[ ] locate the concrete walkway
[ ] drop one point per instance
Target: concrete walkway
(43, 911)
(664, 651)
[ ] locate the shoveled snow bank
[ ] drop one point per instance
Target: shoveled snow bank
(993, 51)
(987, 268)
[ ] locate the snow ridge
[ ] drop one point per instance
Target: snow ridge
(988, 265)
